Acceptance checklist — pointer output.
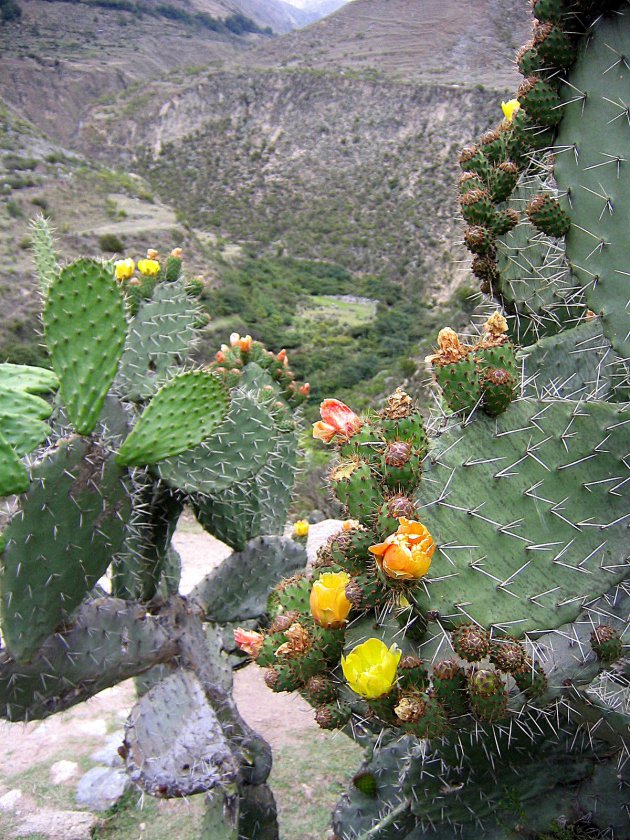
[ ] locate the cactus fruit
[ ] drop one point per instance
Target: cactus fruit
(488, 697)
(606, 643)
(545, 213)
(471, 642)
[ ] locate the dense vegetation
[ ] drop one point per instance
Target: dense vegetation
(341, 329)
(9, 10)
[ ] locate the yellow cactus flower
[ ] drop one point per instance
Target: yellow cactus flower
(124, 269)
(349, 524)
(370, 668)
(329, 605)
(510, 108)
(148, 267)
(300, 528)
(406, 554)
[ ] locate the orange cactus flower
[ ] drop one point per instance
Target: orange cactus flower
(305, 389)
(249, 641)
(283, 357)
(220, 356)
(244, 343)
(328, 602)
(337, 419)
(405, 555)
(177, 253)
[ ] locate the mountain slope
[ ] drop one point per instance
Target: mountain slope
(61, 58)
(359, 172)
(453, 41)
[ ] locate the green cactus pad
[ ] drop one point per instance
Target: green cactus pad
(238, 449)
(108, 641)
(85, 328)
(44, 256)
(534, 282)
(161, 335)
(258, 504)
(577, 363)
(238, 589)
(528, 512)
(32, 380)
(21, 419)
(13, 474)
(60, 541)
(595, 122)
(185, 411)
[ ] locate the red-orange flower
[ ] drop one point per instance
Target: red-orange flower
(305, 389)
(337, 419)
(249, 641)
(405, 555)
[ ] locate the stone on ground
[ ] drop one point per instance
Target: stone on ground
(102, 787)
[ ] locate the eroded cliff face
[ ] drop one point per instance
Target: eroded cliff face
(326, 166)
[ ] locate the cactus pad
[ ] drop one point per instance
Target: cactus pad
(13, 474)
(175, 743)
(529, 514)
(185, 411)
(160, 337)
(60, 541)
(591, 149)
(85, 328)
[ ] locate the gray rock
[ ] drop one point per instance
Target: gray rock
(63, 771)
(102, 787)
(108, 753)
(318, 534)
(57, 825)
(9, 801)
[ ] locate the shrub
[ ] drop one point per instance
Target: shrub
(110, 243)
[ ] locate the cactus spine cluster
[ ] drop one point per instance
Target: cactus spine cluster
(98, 457)
(479, 593)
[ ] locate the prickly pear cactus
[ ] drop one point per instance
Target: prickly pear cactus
(98, 458)
(469, 623)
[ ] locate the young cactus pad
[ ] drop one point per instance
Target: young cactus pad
(185, 411)
(85, 329)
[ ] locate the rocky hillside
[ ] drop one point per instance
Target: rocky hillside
(355, 170)
(59, 59)
(336, 144)
(445, 41)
